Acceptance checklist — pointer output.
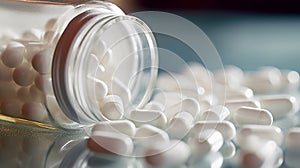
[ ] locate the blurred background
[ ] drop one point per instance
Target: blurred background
(246, 33)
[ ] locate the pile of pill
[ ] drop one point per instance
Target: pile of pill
(193, 115)
(26, 85)
(197, 116)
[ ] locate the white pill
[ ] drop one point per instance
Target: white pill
(50, 23)
(239, 93)
(23, 94)
(262, 131)
(41, 61)
(110, 143)
(180, 125)
(105, 59)
(292, 138)
(32, 34)
(24, 75)
(48, 36)
(258, 152)
(112, 107)
(228, 149)
(205, 142)
(119, 126)
(116, 86)
(216, 113)
(251, 115)
(8, 90)
(33, 48)
(233, 105)
(34, 111)
(189, 105)
(147, 135)
(176, 82)
(13, 55)
(230, 75)
(143, 116)
(98, 87)
(154, 105)
(36, 94)
(174, 154)
(167, 98)
(44, 83)
(279, 105)
(5, 73)
(196, 72)
(11, 107)
(266, 79)
(226, 128)
(289, 79)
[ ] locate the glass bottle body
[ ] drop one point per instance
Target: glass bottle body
(60, 66)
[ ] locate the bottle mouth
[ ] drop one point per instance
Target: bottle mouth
(102, 46)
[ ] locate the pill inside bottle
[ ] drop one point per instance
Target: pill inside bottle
(78, 63)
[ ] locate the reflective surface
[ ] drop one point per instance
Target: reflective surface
(29, 146)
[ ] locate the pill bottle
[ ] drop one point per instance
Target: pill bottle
(63, 61)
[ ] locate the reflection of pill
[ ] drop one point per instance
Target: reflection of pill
(279, 105)
(250, 115)
(226, 128)
(11, 107)
(119, 126)
(262, 131)
(174, 154)
(110, 143)
(154, 105)
(205, 142)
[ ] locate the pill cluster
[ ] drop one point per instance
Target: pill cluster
(26, 83)
(198, 115)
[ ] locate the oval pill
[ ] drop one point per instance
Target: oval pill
(233, 105)
(153, 117)
(226, 128)
(189, 105)
(250, 115)
(279, 105)
(147, 135)
(292, 138)
(262, 131)
(119, 126)
(217, 113)
(180, 125)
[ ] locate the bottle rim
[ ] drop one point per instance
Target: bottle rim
(73, 105)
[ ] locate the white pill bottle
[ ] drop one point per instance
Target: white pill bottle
(71, 65)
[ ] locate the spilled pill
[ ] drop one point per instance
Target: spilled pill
(226, 128)
(251, 115)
